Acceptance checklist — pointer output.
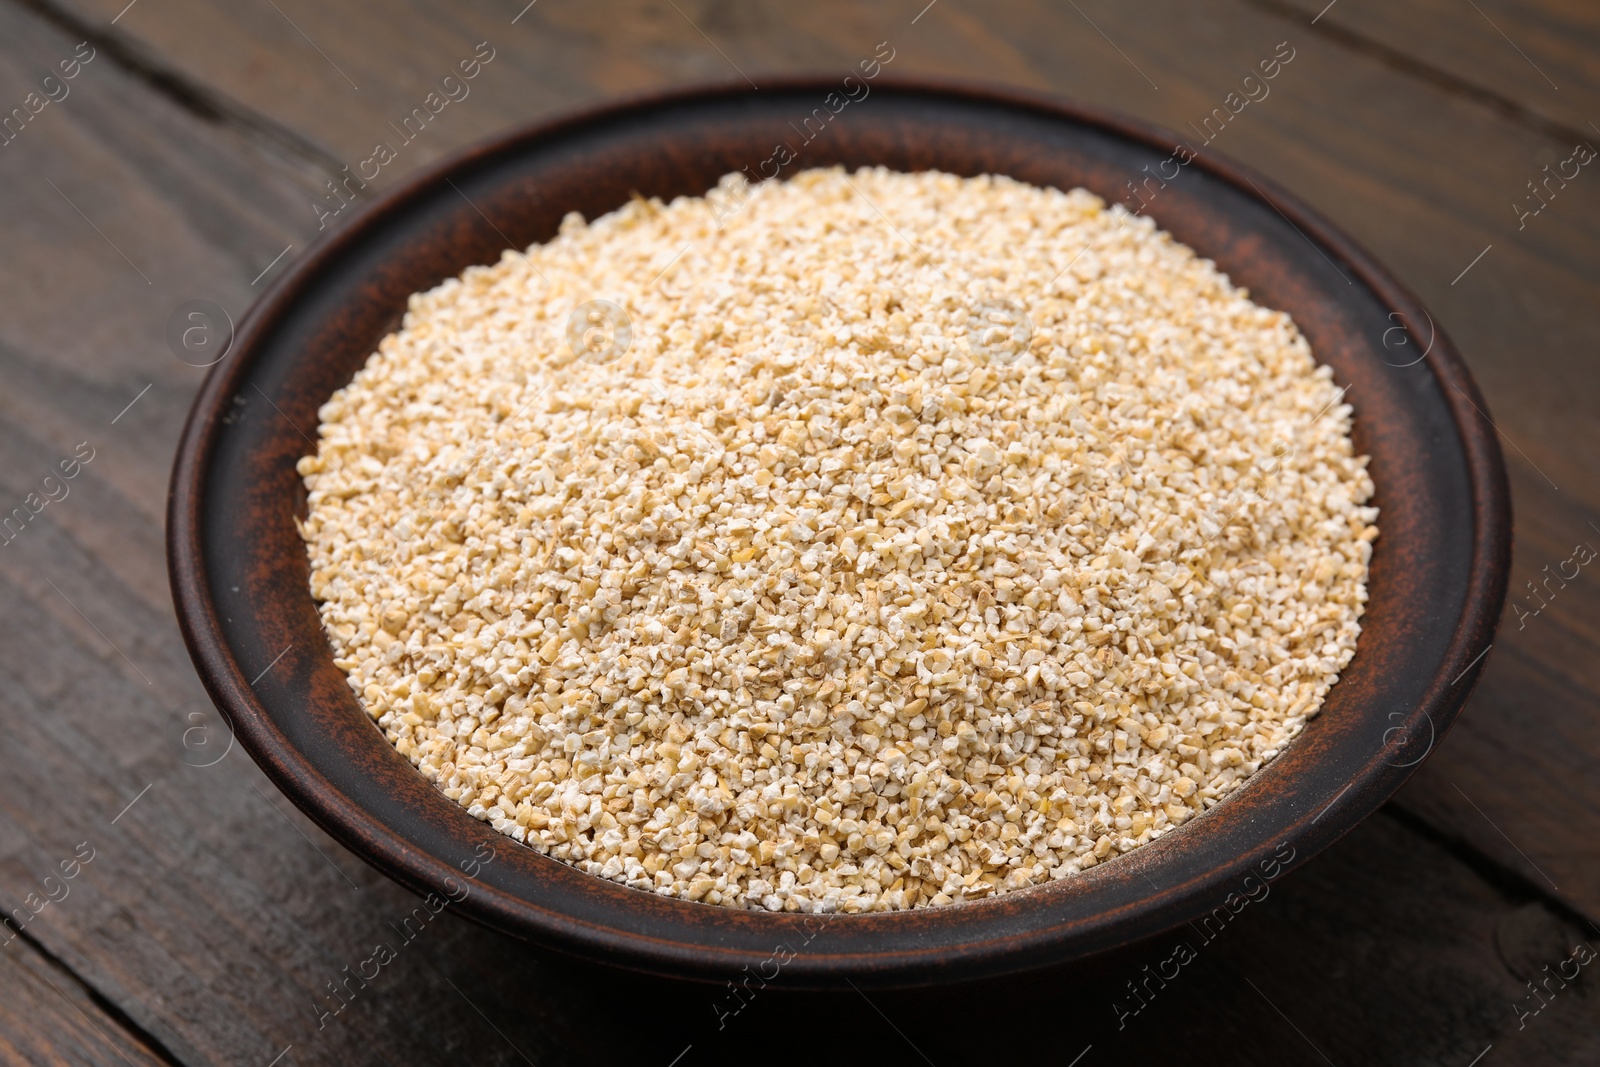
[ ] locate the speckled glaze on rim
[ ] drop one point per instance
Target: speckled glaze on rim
(240, 576)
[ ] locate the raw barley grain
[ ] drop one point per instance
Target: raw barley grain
(908, 555)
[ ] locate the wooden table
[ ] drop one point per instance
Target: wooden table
(205, 919)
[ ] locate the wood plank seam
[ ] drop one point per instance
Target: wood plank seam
(1506, 879)
(112, 1010)
(1441, 79)
(206, 103)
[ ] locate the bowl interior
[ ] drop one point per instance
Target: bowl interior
(241, 578)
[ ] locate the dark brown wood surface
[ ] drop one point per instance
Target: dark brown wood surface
(213, 917)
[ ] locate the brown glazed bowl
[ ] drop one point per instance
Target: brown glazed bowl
(240, 576)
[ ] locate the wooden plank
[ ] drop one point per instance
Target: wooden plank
(1424, 175)
(1533, 59)
(47, 1017)
(208, 914)
(215, 922)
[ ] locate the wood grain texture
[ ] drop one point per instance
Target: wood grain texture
(1533, 59)
(211, 919)
(48, 1018)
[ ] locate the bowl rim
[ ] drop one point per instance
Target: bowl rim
(225, 680)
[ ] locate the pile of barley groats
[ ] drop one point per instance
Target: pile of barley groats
(883, 540)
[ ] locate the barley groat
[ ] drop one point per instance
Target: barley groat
(903, 539)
